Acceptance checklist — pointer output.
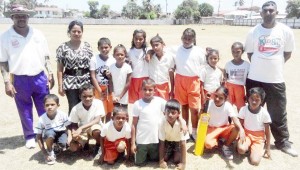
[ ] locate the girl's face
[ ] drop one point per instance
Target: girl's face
(213, 59)
(254, 101)
(119, 120)
(236, 52)
(51, 107)
(157, 47)
(138, 40)
(76, 33)
(219, 98)
(119, 55)
(187, 41)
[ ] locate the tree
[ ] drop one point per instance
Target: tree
(187, 9)
(131, 9)
(104, 11)
(206, 10)
(293, 8)
(239, 3)
(93, 8)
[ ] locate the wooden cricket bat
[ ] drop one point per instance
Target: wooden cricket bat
(202, 129)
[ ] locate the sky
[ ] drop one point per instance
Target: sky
(116, 5)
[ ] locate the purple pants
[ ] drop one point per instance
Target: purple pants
(30, 89)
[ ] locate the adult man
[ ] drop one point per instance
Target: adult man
(24, 54)
(269, 45)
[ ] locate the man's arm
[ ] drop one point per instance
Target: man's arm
(287, 56)
(9, 88)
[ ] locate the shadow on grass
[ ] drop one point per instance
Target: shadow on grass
(11, 143)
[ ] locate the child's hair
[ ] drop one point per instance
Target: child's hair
(104, 40)
(238, 45)
(173, 104)
(119, 109)
(224, 90)
(86, 87)
(258, 90)
(148, 81)
(157, 38)
(191, 32)
(53, 97)
(73, 23)
(122, 47)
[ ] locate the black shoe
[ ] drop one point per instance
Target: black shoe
(96, 150)
(191, 139)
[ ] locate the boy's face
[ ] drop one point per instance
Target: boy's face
(148, 92)
(51, 107)
(237, 52)
(104, 49)
(119, 120)
(87, 97)
(119, 56)
(171, 115)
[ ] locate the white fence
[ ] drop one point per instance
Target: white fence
(293, 23)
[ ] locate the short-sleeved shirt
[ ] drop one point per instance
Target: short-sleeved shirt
(100, 67)
(159, 69)
(119, 77)
(237, 74)
(219, 115)
(138, 62)
(254, 122)
(211, 78)
(82, 116)
(59, 122)
(173, 134)
(25, 55)
(72, 60)
(148, 115)
(109, 131)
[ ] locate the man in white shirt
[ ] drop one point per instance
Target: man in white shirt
(269, 45)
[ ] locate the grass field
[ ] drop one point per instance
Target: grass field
(13, 154)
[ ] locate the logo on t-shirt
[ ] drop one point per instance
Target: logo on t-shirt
(15, 43)
(269, 45)
(101, 75)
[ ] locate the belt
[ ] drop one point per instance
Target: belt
(77, 72)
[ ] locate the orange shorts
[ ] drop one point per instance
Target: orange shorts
(108, 101)
(236, 95)
(256, 141)
(135, 89)
(110, 148)
(187, 91)
(214, 133)
(162, 90)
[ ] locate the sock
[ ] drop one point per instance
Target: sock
(194, 133)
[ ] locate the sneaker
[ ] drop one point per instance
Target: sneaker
(191, 139)
(30, 143)
(227, 152)
(290, 151)
(52, 159)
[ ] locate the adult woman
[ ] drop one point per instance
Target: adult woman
(73, 58)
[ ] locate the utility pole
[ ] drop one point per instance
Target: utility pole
(167, 7)
(219, 8)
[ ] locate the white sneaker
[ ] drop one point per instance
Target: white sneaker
(227, 152)
(52, 157)
(30, 143)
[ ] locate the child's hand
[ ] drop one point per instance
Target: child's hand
(116, 99)
(69, 140)
(147, 58)
(108, 74)
(180, 166)
(184, 129)
(77, 132)
(101, 159)
(267, 154)
(133, 148)
(242, 135)
(163, 164)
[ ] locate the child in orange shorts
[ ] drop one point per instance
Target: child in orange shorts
(256, 121)
(219, 126)
(236, 72)
(115, 137)
(100, 75)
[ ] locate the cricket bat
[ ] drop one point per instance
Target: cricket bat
(202, 129)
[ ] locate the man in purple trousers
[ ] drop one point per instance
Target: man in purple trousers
(24, 54)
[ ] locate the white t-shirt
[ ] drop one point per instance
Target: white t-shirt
(119, 76)
(219, 115)
(25, 55)
(169, 133)
(159, 69)
(148, 115)
(82, 116)
(59, 122)
(237, 74)
(268, 47)
(109, 131)
(99, 66)
(139, 64)
(211, 78)
(189, 61)
(254, 122)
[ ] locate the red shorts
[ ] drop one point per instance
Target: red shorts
(162, 90)
(214, 133)
(111, 152)
(135, 89)
(236, 94)
(107, 101)
(256, 141)
(187, 91)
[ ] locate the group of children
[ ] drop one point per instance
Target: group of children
(150, 79)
